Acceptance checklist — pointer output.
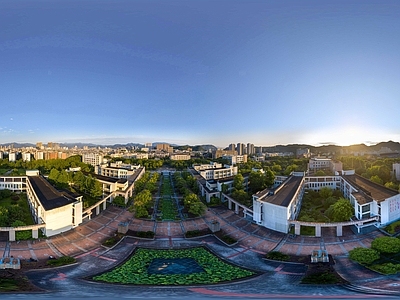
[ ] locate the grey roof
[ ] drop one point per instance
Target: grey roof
(284, 194)
(48, 196)
(376, 191)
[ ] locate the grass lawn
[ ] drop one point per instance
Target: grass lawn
(166, 202)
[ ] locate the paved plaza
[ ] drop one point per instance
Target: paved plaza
(85, 244)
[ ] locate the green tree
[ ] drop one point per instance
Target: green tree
(364, 256)
(3, 216)
(320, 173)
(15, 213)
(96, 188)
(386, 244)
(119, 201)
(53, 175)
(325, 192)
(340, 211)
(392, 185)
(376, 179)
(197, 208)
(238, 182)
(242, 197)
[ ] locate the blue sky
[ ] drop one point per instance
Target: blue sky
(200, 72)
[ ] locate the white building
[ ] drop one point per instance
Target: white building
(93, 159)
(180, 156)
(39, 155)
(116, 170)
(317, 163)
(119, 186)
(396, 171)
(274, 208)
(58, 211)
(12, 156)
(26, 156)
(236, 159)
(215, 171)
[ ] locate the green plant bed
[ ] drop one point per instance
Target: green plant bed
(141, 234)
(225, 238)
(113, 240)
(276, 255)
(209, 269)
(386, 268)
(393, 228)
(61, 261)
(197, 233)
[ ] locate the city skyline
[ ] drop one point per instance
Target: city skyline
(200, 72)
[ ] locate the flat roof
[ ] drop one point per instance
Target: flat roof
(376, 191)
(284, 193)
(48, 196)
(135, 175)
(106, 178)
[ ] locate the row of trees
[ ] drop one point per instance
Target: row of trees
(148, 181)
(143, 199)
(187, 186)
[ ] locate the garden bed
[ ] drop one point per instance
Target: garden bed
(209, 268)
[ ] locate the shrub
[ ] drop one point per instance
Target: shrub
(387, 268)
(386, 244)
(195, 233)
(276, 255)
(391, 228)
(364, 256)
(113, 240)
(228, 240)
(145, 234)
(63, 260)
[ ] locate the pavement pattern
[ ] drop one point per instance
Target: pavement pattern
(279, 280)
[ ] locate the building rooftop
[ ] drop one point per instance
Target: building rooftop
(106, 178)
(283, 194)
(376, 191)
(135, 175)
(48, 196)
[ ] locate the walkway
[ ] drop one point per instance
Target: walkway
(254, 241)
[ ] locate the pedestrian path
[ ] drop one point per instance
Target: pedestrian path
(87, 239)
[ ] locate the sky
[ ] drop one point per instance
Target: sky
(200, 72)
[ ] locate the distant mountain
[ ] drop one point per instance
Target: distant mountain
(18, 145)
(393, 146)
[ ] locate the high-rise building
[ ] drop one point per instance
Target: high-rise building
(26, 156)
(250, 149)
(232, 147)
(12, 156)
(165, 147)
(240, 148)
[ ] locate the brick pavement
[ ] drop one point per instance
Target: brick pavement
(89, 236)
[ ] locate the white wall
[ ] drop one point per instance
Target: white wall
(58, 220)
(275, 217)
(390, 210)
